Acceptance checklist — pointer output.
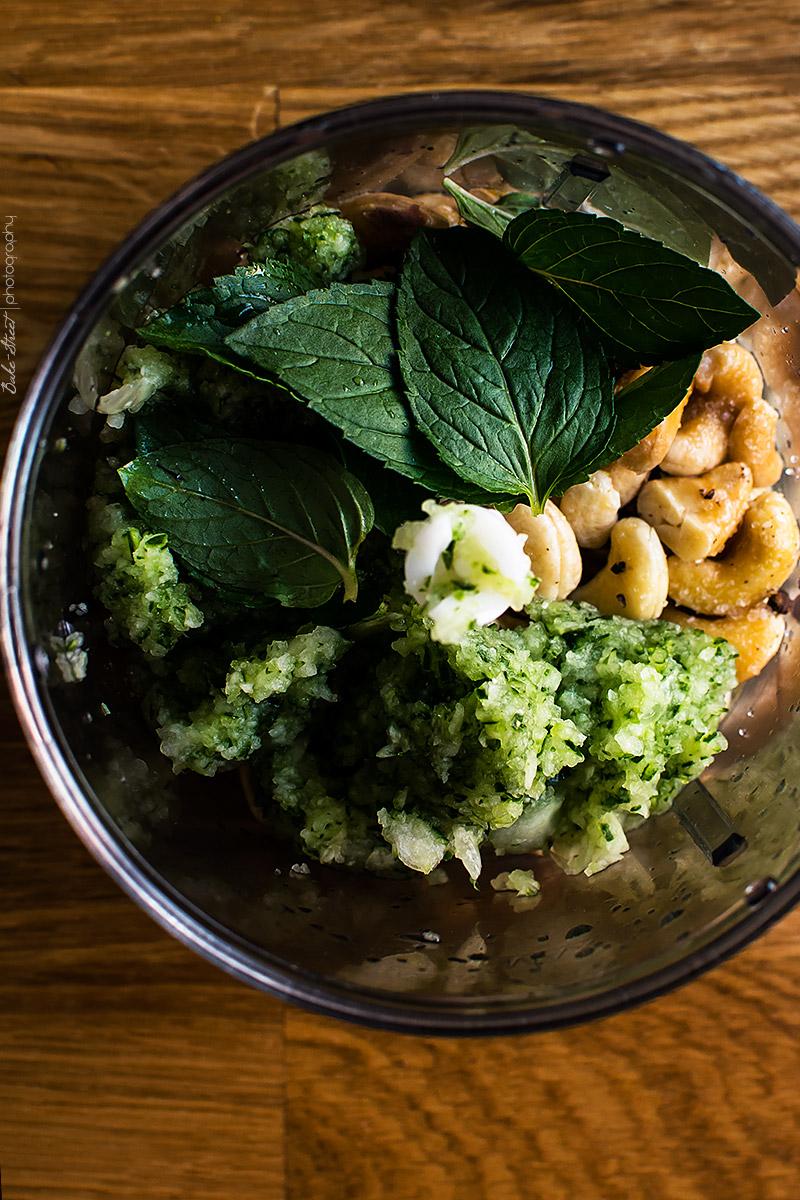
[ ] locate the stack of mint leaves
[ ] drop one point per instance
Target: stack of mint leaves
(487, 373)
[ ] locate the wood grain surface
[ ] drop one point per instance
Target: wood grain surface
(128, 1066)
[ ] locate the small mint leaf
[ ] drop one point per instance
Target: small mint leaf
(646, 401)
(491, 217)
(204, 318)
(651, 303)
(494, 218)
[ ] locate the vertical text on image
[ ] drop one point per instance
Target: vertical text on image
(8, 326)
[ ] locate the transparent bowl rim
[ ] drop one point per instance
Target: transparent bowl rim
(412, 1014)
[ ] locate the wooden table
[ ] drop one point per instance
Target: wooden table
(131, 1068)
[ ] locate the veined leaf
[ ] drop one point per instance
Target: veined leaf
(258, 519)
(335, 347)
(519, 202)
(204, 318)
(263, 283)
(195, 325)
(650, 303)
(478, 212)
(494, 218)
(646, 401)
(508, 381)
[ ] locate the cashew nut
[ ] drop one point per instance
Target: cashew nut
(695, 517)
(652, 449)
(551, 547)
(731, 371)
(727, 379)
(756, 561)
(701, 443)
(756, 633)
(634, 581)
(591, 509)
(752, 441)
(626, 482)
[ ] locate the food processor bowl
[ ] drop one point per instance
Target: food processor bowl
(404, 953)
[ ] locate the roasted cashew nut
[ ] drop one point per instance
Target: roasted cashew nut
(727, 379)
(591, 509)
(731, 371)
(634, 581)
(652, 449)
(756, 561)
(551, 547)
(756, 633)
(626, 482)
(752, 441)
(695, 517)
(701, 443)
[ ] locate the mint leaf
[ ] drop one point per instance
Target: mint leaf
(261, 284)
(478, 212)
(494, 218)
(196, 324)
(651, 303)
(335, 348)
(507, 380)
(257, 519)
(519, 202)
(204, 318)
(646, 401)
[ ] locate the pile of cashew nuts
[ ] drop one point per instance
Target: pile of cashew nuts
(710, 535)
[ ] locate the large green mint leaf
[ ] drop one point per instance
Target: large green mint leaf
(651, 303)
(204, 318)
(335, 347)
(644, 403)
(257, 519)
(508, 381)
